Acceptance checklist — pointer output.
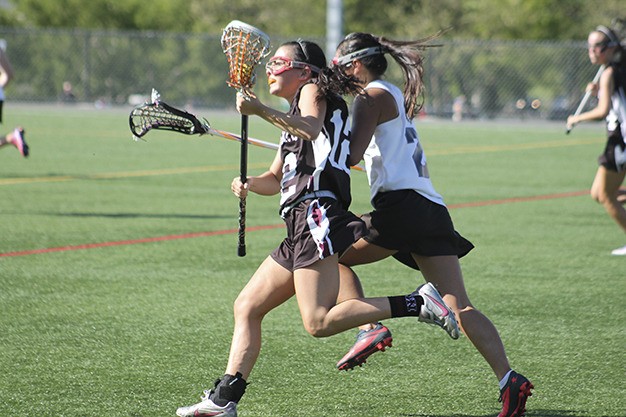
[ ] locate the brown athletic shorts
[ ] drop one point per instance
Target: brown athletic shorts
(408, 222)
(316, 229)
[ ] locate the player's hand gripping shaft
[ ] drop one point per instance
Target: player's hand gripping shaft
(240, 189)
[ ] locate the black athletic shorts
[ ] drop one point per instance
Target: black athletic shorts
(614, 156)
(316, 229)
(408, 222)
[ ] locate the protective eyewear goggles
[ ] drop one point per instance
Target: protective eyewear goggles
(279, 64)
(601, 45)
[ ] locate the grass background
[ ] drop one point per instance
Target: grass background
(140, 329)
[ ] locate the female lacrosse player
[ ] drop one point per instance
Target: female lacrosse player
(311, 174)
(605, 49)
(16, 138)
(410, 220)
(6, 73)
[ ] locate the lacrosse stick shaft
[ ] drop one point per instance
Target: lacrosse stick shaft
(260, 143)
(251, 141)
(243, 176)
(585, 99)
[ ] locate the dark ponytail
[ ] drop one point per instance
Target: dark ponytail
(331, 84)
(408, 55)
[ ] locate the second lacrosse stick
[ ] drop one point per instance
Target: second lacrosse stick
(583, 102)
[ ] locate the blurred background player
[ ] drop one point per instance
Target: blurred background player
(604, 48)
(15, 138)
(6, 72)
(67, 94)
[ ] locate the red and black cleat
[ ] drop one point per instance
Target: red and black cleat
(514, 395)
(367, 343)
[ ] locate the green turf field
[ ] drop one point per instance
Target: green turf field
(96, 321)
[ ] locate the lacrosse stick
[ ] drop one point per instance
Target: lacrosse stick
(245, 46)
(583, 102)
(159, 115)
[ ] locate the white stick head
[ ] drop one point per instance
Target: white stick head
(245, 46)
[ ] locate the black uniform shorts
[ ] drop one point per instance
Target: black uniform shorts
(614, 156)
(408, 222)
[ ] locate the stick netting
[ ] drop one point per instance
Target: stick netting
(245, 46)
(158, 115)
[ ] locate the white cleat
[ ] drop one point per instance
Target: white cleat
(207, 408)
(619, 251)
(435, 311)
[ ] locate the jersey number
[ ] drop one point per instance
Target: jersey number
(418, 154)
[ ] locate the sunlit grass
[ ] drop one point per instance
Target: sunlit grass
(138, 329)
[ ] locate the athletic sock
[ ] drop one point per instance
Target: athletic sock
(504, 380)
(229, 388)
(405, 305)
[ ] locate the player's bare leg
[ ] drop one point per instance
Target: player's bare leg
(445, 273)
(621, 196)
(317, 289)
(374, 337)
(606, 191)
(269, 287)
(371, 337)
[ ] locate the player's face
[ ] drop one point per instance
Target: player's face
(353, 68)
(284, 73)
(599, 53)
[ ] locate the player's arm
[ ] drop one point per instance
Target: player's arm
(370, 108)
(605, 89)
(268, 183)
(6, 75)
(307, 125)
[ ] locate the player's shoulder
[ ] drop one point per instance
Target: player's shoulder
(309, 88)
(309, 92)
(375, 98)
(608, 71)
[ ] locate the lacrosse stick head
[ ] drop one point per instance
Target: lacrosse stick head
(157, 115)
(245, 46)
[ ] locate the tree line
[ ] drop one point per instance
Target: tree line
(467, 19)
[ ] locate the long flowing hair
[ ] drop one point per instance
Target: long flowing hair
(408, 55)
(331, 84)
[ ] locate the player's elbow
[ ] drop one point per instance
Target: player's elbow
(353, 160)
(310, 134)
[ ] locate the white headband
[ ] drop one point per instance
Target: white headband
(346, 59)
(613, 41)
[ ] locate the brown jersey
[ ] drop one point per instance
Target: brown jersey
(319, 165)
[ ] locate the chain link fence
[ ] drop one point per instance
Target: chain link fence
(464, 79)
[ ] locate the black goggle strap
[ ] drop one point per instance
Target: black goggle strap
(298, 64)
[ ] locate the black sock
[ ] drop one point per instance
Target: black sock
(229, 388)
(405, 305)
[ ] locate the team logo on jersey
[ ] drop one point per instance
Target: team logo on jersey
(286, 137)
